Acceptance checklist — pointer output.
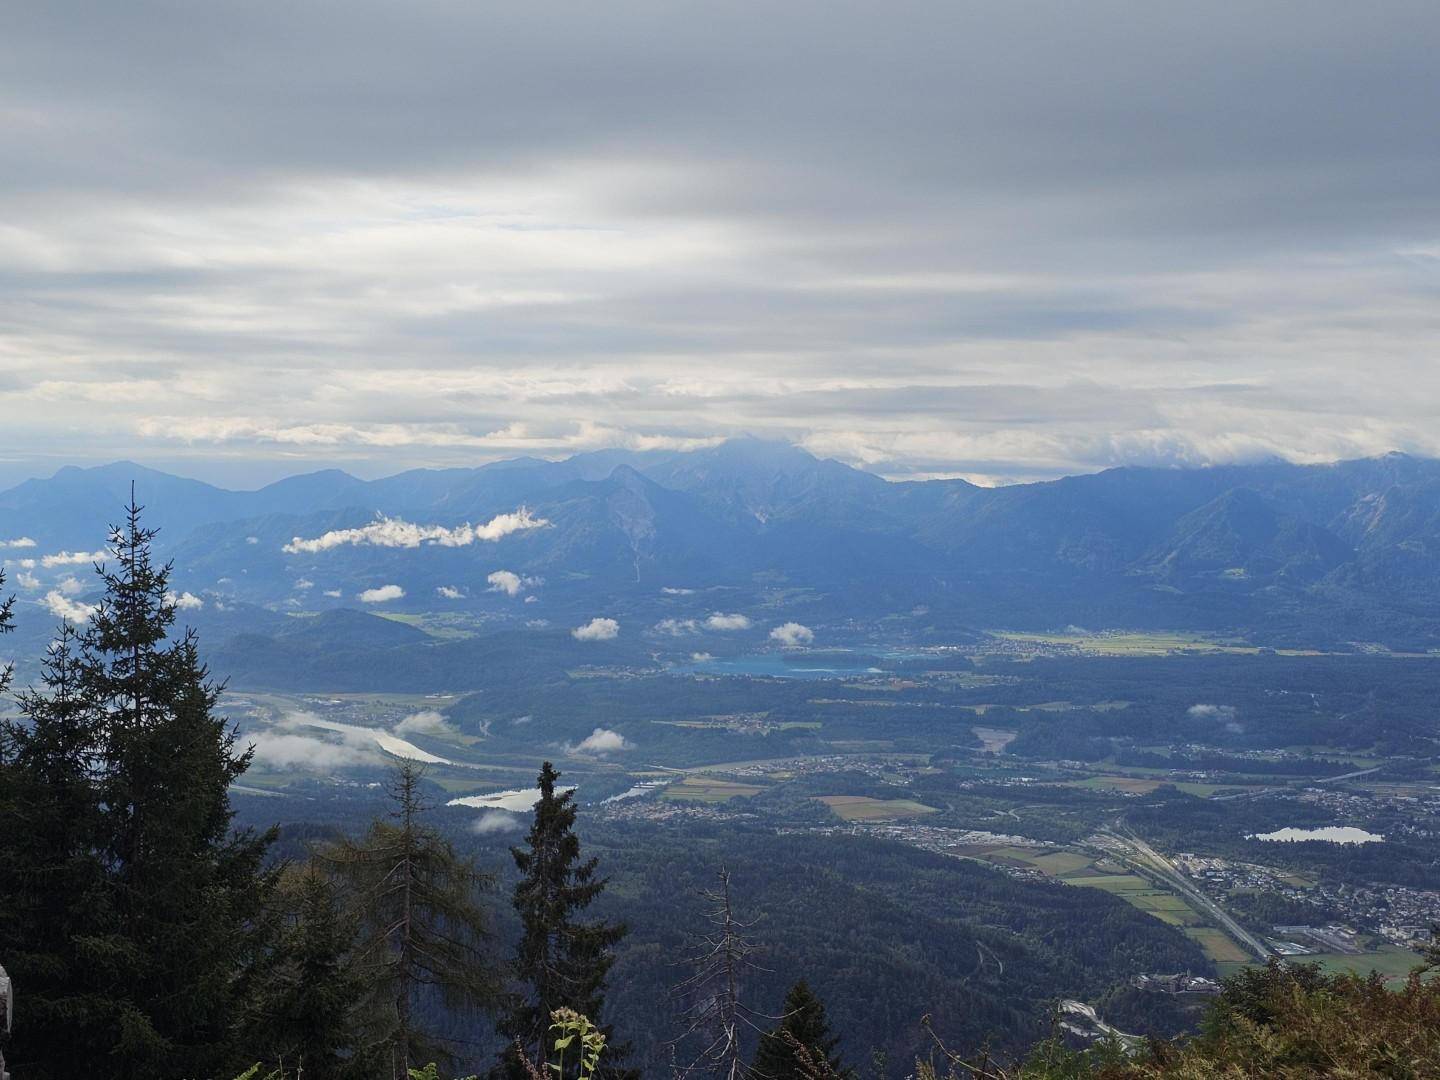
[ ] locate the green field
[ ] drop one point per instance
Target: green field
(1392, 962)
(1217, 945)
(864, 808)
(709, 789)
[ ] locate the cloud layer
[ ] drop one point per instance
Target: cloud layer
(597, 629)
(1003, 240)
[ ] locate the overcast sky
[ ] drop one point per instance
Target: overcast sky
(1001, 240)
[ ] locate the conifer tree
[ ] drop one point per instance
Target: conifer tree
(423, 932)
(305, 1019)
(187, 893)
(55, 930)
(801, 1047)
(562, 960)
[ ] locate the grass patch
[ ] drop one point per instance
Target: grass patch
(1217, 945)
(1392, 962)
(1115, 883)
(864, 808)
(708, 789)
(1059, 863)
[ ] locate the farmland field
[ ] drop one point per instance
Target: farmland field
(709, 789)
(864, 808)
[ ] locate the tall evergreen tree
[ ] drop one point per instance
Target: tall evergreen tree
(55, 931)
(562, 960)
(305, 1021)
(187, 892)
(801, 1047)
(423, 931)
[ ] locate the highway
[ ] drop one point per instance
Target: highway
(1148, 858)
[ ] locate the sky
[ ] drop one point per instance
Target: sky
(1002, 240)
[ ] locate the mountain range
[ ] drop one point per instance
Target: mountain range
(1319, 555)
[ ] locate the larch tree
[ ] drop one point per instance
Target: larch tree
(424, 933)
(562, 960)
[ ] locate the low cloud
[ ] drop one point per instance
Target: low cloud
(398, 533)
(497, 821)
(510, 583)
(303, 584)
(70, 585)
(671, 591)
(1220, 713)
(27, 580)
(677, 627)
(62, 607)
(184, 601)
(449, 592)
(602, 741)
(722, 621)
(426, 722)
(18, 542)
(72, 558)
(792, 633)
(285, 750)
(701, 657)
(333, 593)
(381, 595)
(597, 630)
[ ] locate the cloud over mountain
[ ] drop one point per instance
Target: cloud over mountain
(792, 633)
(380, 595)
(398, 533)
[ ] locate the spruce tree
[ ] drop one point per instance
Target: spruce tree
(801, 1047)
(56, 933)
(187, 893)
(423, 931)
(562, 960)
(305, 1018)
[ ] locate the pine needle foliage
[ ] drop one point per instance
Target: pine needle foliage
(562, 960)
(423, 932)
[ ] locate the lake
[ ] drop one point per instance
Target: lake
(1334, 834)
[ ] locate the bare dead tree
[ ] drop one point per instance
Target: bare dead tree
(717, 1015)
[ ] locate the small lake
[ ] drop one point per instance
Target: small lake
(1334, 834)
(517, 802)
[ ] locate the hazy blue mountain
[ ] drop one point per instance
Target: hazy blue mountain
(1334, 553)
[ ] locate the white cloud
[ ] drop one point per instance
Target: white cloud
(72, 558)
(426, 722)
(70, 585)
(1221, 713)
(721, 621)
(792, 633)
(701, 657)
(334, 594)
(511, 583)
(398, 533)
(532, 599)
(27, 580)
(602, 741)
(184, 601)
(381, 595)
(497, 821)
(671, 591)
(449, 592)
(537, 624)
(597, 630)
(284, 750)
(303, 584)
(62, 607)
(677, 627)
(252, 539)
(18, 542)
